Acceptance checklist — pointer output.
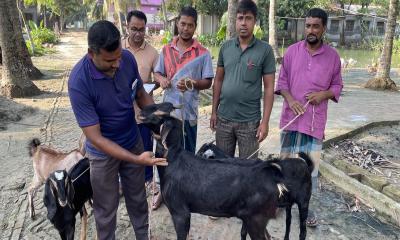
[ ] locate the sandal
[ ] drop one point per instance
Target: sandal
(311, 220)
(157, 201)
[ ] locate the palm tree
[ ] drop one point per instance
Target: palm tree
(272, 30)
(231, 21)
(15, 81)
(382, 79)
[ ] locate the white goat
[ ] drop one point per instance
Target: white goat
(45, 161)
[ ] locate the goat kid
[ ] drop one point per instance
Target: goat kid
(45, 161)
(192, 184)
(65, 196)
(297, 179)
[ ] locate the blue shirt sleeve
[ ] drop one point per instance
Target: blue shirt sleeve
(208, 71)
(160, 64)
(81, 102)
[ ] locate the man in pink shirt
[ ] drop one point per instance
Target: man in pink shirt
(309, 77)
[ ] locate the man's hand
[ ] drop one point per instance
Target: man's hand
(148, 159)
(316, 98)
(213, 121)
(185, 84)
(296, 107)
(262, 131)
(164, 82)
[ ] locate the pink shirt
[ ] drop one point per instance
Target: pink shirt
(302, 73)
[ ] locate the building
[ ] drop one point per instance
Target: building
(152, 9)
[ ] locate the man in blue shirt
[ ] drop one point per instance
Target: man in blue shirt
(102, 87)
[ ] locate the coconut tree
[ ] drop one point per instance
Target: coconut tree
(15, 81)
(272, 37)
(382, 79)
(232, 8)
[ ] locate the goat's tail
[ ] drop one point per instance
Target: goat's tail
(308, 160)
(32, 146)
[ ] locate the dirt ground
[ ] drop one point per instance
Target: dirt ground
(49, 117)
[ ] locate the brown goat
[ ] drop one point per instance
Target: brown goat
(45, 161)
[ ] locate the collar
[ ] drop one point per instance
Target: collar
(194, 45)
(93, 71)
(320, 50)
(252, 42)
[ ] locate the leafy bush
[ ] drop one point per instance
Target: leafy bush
(211, 40)
(167, 37)
(39, 49)
(42, 34)
(376, 44)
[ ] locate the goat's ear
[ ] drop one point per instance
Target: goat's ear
(50, 200)
(70, 192)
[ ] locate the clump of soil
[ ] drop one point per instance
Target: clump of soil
(11, 111)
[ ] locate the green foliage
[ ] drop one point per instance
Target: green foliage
(176, 5)
(284, 8)
(39, 49)
(258, 32)
(376, 44)
(166, 38)
(210, 40)
(221, 34)
(41, 34)
(211, 7)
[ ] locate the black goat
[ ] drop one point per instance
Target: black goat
(215, 188)
(65, 196)
(297, 179)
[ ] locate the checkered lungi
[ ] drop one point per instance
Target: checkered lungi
(293, 142)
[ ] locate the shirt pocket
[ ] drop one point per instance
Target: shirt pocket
(252, 72)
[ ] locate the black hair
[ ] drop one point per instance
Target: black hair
(247, 6)
(103, 35)
(189, 12)
(137, 14)
(318, 13)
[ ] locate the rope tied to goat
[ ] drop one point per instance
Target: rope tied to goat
(288, 124)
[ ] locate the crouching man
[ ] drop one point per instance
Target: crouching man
(102, 87)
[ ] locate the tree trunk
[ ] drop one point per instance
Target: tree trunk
(164, 11)
(44, 16)
(28, 32)
(382, 79)
(15, 81)
(272, 36)
(33, 72)
(231, 21)
(121, 27)
(342, 40)
(61, 21)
